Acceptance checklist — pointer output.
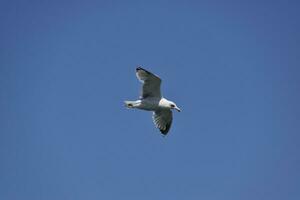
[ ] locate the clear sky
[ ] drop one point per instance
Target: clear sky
(232, 67)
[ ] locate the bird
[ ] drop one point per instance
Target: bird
(151, 99)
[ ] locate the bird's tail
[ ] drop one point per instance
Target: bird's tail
(129, 104)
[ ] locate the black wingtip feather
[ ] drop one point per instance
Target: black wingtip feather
(166, 130)
(140, 68)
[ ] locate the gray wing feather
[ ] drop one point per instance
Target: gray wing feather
(163, 120)
(151, 83)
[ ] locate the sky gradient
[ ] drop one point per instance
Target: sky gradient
(233, 69)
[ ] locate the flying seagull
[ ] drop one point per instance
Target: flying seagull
(152, 100)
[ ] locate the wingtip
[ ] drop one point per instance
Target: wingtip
(138, 68)
(166, 130)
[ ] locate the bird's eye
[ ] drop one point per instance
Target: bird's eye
(172, 105)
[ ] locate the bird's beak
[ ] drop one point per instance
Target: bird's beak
(178, 109)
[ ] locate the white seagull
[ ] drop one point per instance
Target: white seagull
(152, 100)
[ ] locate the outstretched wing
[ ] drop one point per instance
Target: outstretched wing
(151, 83)
(163, 120)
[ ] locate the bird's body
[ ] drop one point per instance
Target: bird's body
(152, 100)
(149, 104)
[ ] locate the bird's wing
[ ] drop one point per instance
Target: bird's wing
(163, 120)
(151, 83)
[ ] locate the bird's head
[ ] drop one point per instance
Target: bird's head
(173, 105)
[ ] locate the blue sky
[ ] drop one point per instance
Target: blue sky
(232, 67)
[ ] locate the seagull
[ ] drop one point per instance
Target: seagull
(152, 100)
